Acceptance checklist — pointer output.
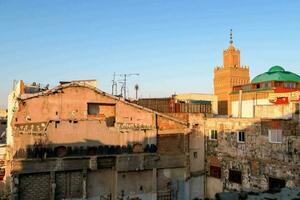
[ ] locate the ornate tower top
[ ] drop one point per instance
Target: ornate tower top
(231, 55)
(231, 40)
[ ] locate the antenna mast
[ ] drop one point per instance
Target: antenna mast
(125, 76)
(114, 87)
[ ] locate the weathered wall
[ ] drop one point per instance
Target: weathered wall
(275, 111)
(71, 103)
(100, 183)
(196, 185)
(81, 133)
(136, 184)
(61, 117)
(196, 151)
(213, 186)
(171, 144)
(257, 159)
(170, 183)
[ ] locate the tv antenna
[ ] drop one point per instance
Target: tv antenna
(124, 83)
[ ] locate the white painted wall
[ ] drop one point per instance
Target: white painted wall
(247, 107)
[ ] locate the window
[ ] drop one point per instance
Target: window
(213, 135)
(290, 85)
(195, 154)
(215, 171)
(2, 174)
(93, 108)
(275, 135)
(246, 87)
(276, 184)
(241, 136)
(235, 176)
(266, 84)
(297, 110)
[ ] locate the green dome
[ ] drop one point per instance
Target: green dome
(276, 73)
(276, 69)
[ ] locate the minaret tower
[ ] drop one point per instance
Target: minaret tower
(229, 75)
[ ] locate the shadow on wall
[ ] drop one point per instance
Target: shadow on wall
(43, 150)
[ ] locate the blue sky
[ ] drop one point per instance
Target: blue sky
(173, 44)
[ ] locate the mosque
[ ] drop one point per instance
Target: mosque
(240, 97)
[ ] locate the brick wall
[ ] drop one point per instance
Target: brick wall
(171, 143)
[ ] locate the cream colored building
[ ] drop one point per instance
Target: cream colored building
(3, 113)
(187, 97)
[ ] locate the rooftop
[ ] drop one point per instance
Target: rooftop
(276, 73)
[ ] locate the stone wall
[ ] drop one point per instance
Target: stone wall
(256, 158)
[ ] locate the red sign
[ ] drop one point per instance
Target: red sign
(282, 100)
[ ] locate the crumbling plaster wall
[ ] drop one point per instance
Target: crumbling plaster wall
(81, 133)
(61, 118)
(257, 158)
(71, 103)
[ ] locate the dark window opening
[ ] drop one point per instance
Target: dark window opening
(297, 108)
(2, 174)
(241, 136)
(276, 184)
(106, 162)
(213, 135)
(93, 108)
(215, 171)
(195, 154)
(92, 150)
(4, 123)
(60, 151)
(110, 121)
(195, 125)
(235, 176)
(56, 123)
